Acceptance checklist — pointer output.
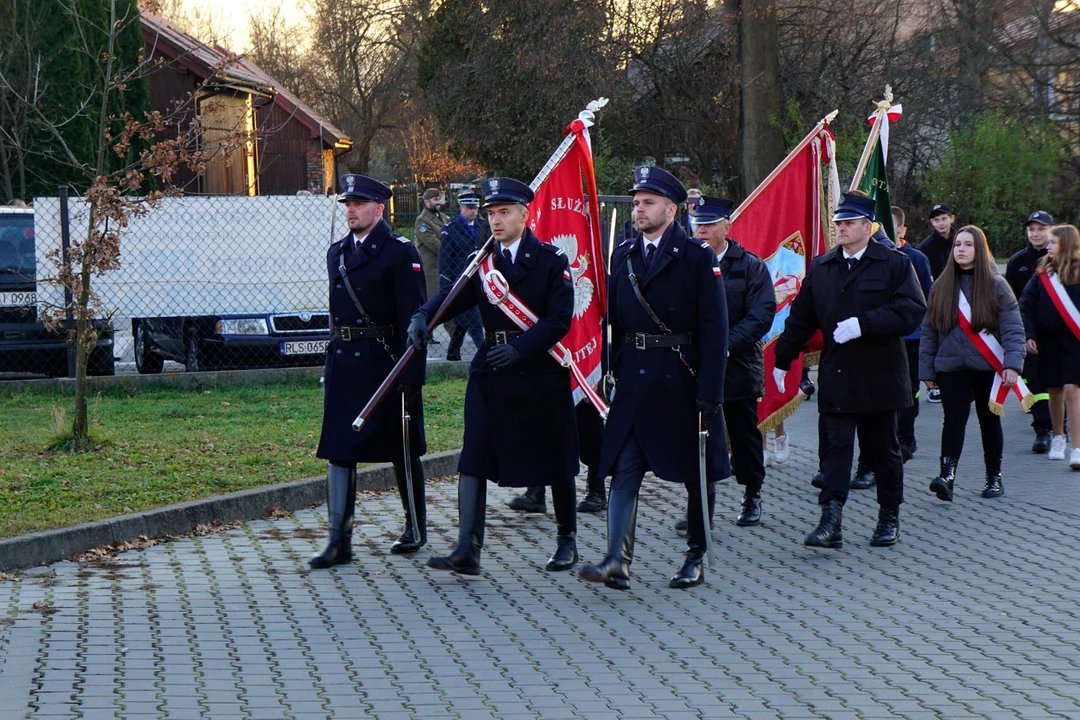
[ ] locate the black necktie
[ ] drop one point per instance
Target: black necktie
(852, 262)
(650, 250)
(508, 256)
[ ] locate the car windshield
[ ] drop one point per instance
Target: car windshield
(17, 244)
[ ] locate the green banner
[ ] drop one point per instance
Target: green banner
(875, 183)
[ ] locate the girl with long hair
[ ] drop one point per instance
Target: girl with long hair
(1047, 305)
(950, 357)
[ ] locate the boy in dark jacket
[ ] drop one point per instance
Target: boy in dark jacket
(937, 246)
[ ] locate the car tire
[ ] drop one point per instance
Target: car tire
(193, 361)
(147, 362)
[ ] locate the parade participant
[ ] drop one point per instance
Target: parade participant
(520, 429)
(864, 298)
(376, 284)
(751, 304)
(692, 196)
(427, 232)
(1020, 269)
(669, 345)
(952, 358)
(937, 246)
(1051, 324)
(459, 239)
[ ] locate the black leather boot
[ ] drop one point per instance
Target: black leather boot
(751, 508)
(863, 479)
(829, 533)
(942, 485)
(412, 539)
(818, 480)
(565, 555)
(532, 500)
(1042, 442)
(340, 507)
(595, 498)
(614, 571)
(993, 487)
(692, 571)
(887, 531)
(472, 507)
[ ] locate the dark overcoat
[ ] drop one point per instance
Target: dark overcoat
(870, 373)
(456, 248)
(386, 274)
(751, 305)
(656, 394)
(520, 427)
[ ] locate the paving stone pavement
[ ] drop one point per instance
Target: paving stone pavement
(973, 614)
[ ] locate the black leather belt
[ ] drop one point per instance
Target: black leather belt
(501, 337)
(351, 334)
(644, 341)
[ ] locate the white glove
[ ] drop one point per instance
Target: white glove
(778, 378)
(847, 330)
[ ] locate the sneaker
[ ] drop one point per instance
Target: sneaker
(1042, 442)
(1074, 458)
(1057, 448)
(781, 453)
(934, 395)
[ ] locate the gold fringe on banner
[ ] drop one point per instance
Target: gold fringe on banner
(1027, 402)
(811, 359)
(996, 408)
(783, 413)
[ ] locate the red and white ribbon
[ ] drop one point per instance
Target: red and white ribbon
(991, 350)
(1064, 304)
(499, 294)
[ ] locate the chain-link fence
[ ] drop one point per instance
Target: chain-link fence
(207, 283)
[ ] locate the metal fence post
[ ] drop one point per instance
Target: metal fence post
(65, 246)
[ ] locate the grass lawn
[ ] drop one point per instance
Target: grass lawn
(164, 446)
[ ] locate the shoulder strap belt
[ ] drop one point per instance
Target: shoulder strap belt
(653, 316)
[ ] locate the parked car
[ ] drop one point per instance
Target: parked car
(26, 345)
(219, 342)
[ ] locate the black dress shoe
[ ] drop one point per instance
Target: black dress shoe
(863, 480)
(691, 573)
(828, 533)
(459, 561)
(1041, 445)
(336, 553)
(680, 525)
(565, 556)
(751, 510)
(887, 531)
(532, 501)
(595, 498)
(994, 488)
(818, 481)
(806, 388)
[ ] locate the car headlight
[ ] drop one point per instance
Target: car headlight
(242, 326)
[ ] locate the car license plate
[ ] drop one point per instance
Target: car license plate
(304, 347)
(18, 299)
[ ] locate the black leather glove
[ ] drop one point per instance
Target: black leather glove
(411, 393)
(417, 332)
(502, 356)
(708, 410)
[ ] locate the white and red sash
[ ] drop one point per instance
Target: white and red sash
(1064, 304)
(991, 350)
(499, 294)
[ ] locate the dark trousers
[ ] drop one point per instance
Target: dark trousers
(466, 322)
(877, 433)
(905, 418)
(1040, 411)
(741, 421)
(958, 391)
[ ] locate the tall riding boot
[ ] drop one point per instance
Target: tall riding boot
(828, 533)
(692, 571)
(595, 498)
(942, 485)
(614, 571)
(532, 500)
(472, 507)
(340, 507)
(993, 487)
(412, 539)
(563, 498)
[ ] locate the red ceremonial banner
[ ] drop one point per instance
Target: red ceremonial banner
(562, 214)
(781, 222)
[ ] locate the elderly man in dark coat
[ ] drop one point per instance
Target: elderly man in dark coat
(865, 299)
(669, 350)
(520, 429)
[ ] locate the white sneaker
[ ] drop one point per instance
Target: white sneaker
(1074, 458)
(933, 395)
(767, 458)
(1057, 448)
(781, 452)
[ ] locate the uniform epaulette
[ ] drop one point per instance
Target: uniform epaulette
(706, 246)
(402, 238)
(551, 247)
(627, 241)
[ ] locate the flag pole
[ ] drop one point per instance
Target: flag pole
(871, 141)
(587, 116)
(780, 168)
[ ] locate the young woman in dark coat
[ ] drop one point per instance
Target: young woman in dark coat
(949, 360)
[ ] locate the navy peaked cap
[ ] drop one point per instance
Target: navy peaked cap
(659, 182)
(361, 187)
(503, 190)
(853, 207)
(708, 210)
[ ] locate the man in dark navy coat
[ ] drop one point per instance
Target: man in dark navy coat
(668, 371)
(461, 237)
(519, 411)
(865, 298)
(368, 335)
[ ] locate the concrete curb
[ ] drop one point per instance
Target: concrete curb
(51, 545)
